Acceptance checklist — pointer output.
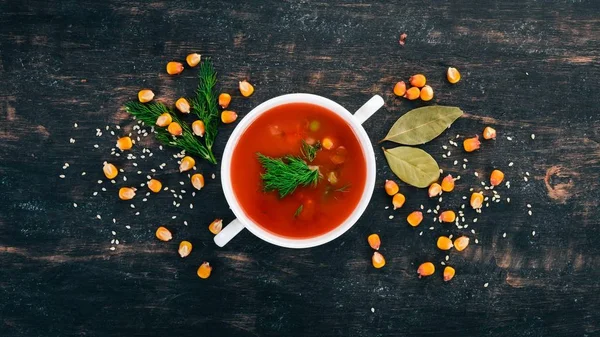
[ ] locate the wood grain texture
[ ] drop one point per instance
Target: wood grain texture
(529, 67)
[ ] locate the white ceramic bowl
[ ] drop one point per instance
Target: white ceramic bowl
(354, 120)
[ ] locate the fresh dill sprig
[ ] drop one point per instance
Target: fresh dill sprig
(310, 151)
(286, 174)
(343, 188)
(298, 211)
(149, 112)
(204, 105)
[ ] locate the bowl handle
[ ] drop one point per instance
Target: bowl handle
(229, 232)
(368, 109)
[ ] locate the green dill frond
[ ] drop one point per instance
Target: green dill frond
(286, 174)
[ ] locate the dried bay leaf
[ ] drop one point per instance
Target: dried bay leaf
(412, 165)
(421, 125)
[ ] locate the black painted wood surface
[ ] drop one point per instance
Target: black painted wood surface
(529, 67)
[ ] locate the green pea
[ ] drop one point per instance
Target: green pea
(314, 125)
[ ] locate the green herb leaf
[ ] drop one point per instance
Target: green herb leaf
(344, 188)
(310, 151)
(298, 211)
(421, 125)
(286, 174)
(413, 166)
(149, 112)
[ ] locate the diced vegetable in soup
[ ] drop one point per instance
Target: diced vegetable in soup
(298, 170)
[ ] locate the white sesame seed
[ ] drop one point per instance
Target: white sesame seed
(191, 206)
(444, 147)
(134, 164)
(465, 166)
(508, 200)
(448, 153)
(185, 223)
(486, 285)
(533, 233)
(431, 228)
(455, 162)
(112, 248)
(421, 233)
(112, 241)
(504, 235)
(390, 217)
(62, 176)
(132, 205)
(95, 193)
(511, 163)
(528, 205)
(174, 217)
(96, 146)
(128, 227)
(444, 156)
(137, 213)
(527, 174)
(213, 176)
(181, 183)
(72, 141)
(74, 204)
(532, 136)
(440, 199)
(530, 213)
(441, 171)
(475, 220)
(98, 216)
(476, 241)
(509, 138)
(99, 181)
(447, 257)
(476, 174)
(525, 178)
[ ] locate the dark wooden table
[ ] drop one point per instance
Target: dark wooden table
(529, 67)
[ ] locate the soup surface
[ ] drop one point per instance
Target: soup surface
(311, 210)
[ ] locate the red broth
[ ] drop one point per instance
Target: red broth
(279, 132)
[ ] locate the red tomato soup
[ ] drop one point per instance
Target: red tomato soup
(310, 210)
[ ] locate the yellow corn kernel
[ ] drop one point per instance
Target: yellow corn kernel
(193, 59)
(444, 243)
(426, 93)
(461, 243)
(448, 216)
(400, 89)
(228, 116)
(391, 188)
(449, 273)
(175, 129)
(224, 100)
(448, 183)
(414, 218)
(124, 143)
(198, 128)
(126, 193)
(426, 269)
(185, 248)
(374, 241)
(496, 177)
(434, 190)
(476, 200)
(216, 226)
(163, 234)
(246, 88)
(174, 68)
(489, 133)
(327, 143)
(197, 181)
(145, 95)
(187, 163)
(398, 200)
(164, 120)
(471, 144)
(154, 185)
(183, 105)
(378, 260)
(204, 270)
(417, 80)
(332, 178)
(453, 75)
(110, 170)
(412, 93)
